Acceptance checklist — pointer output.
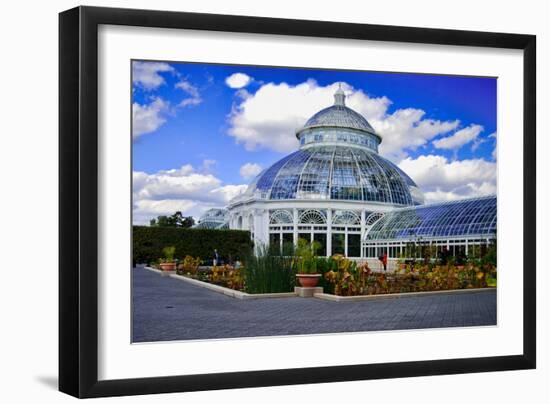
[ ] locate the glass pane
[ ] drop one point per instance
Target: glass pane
(275, 241)
(338, 243)
(354, 245)
(321, 238)
(288, 243)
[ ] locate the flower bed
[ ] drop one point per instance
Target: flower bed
(272, 273)
(222, 275)
(345, 278)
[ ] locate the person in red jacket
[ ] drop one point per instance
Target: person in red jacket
(384, 259)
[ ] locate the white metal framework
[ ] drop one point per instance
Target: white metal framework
(280, 216)
(452, 226)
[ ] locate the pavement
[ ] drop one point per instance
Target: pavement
(167, 309)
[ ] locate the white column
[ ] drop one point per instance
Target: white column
(346, 243)
(261, 226)
(363, 230)
(247, 223)
(329, 232)
(295, 217)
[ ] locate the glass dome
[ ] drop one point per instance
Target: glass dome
(336, 172)
(339, 116)
(338, 160)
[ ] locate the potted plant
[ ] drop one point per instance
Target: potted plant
(167, 263)
(307, 274)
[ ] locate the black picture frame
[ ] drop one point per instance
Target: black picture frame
(78, 200)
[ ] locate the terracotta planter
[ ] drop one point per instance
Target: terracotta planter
(168, 266)
(308, 280)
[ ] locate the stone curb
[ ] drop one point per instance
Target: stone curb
(223, 290)
(334, 298)
(158, 271)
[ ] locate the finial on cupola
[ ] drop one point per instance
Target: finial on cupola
(340, 96)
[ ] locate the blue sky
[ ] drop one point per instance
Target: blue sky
(196, 125)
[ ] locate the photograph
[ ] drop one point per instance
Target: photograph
(274, 201)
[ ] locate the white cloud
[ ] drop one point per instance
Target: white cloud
(184, 189)
(146, 74)
(208, 165)
(238, 80)
(269, 117)
(194, 95)
(146, 209)
(459, 138)
(407, 129)
(148, 118)
(226, 193)
(494, 153)
(443, 180)
(250, 170)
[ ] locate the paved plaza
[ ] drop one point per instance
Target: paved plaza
(167, 309)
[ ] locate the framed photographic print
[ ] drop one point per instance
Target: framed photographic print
(239, 196)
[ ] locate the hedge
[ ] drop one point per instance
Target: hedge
(148, 243)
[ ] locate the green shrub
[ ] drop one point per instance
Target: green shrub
(169, 253)
(269, 271)
(149, 242)
(306, 256)
(324, 265)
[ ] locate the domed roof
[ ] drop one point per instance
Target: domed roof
(339, 116)
(336, 172)
(334, 163)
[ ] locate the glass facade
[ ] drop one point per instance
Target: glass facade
(465, 218)
(342, 136)
(336, 172)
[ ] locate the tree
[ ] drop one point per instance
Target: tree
(175, 220)
(187, 222)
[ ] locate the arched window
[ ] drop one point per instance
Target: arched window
(373, 218)
(281, 217)
(312, 217)
(240, 223)
(346, 217)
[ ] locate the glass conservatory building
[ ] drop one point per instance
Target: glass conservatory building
(338, 191)
(214, 219)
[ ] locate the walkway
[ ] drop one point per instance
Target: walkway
(167, 309)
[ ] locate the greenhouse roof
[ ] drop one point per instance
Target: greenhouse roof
(214, 219)
(465, 218)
